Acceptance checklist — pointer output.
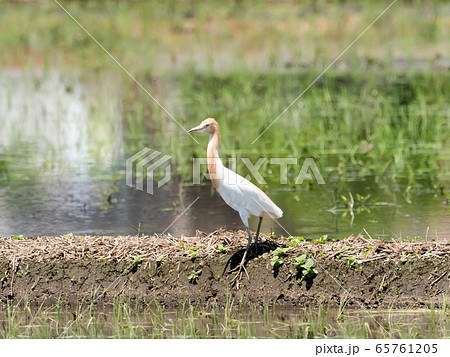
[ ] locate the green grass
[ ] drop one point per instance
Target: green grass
(377, 112)
(375, 124)
(156, 37)
(236, 320)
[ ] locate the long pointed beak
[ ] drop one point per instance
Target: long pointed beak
(197, 128)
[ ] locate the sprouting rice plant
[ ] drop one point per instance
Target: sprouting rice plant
(221, 248)
(192, 252)
(322, 240)
(137, 261)
(159, 260)
(194, 276)
(351, 261)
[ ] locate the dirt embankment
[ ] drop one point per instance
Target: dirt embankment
(360, 270)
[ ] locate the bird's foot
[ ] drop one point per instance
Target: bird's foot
(238, 276)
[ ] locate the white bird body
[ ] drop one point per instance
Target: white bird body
(239, 193)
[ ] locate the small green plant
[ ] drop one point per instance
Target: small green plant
(68, 235)
(322, 240)
(348, 200)
(192, 252)
(305, 265)
(137, 261)
(349, 203)
(193, 256)
(73, 280)
(194, 276)
(412, 239)
(137, 229)
(298, 261)
(19, 237)
(362, 199)
(221, 248)
(296, 240)
(276, 261)
(351, 261)
(159, 261)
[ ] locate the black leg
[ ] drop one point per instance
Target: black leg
(257, 234)
(248, 246)
(242, 265)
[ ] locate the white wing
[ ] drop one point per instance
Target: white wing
(241, 194)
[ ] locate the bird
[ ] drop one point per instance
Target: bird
(238, 192)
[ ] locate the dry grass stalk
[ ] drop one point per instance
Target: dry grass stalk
(205, 245)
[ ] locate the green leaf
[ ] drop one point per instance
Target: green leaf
(299, 260)
(308, 264)
(276, 262)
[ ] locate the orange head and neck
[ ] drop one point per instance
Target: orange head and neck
(211, 127)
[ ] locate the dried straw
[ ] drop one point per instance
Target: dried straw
(150, 248)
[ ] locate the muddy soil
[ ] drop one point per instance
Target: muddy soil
(382, 280)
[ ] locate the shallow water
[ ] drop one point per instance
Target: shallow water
(124, 321)
(64, 143)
